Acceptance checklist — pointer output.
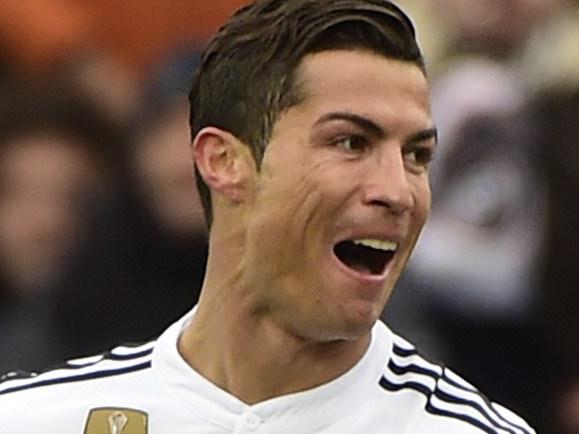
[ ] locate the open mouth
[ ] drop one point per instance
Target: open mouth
(366, 256)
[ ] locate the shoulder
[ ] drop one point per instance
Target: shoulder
(77, 384)
(120, 360)
(446, 398)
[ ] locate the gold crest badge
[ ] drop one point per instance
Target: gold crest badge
(116, 421)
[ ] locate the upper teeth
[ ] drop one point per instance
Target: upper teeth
(388, 246)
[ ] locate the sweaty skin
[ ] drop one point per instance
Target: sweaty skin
(279, 312)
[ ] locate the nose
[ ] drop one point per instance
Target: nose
(388, 184)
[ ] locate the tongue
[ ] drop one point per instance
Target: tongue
(360, 267)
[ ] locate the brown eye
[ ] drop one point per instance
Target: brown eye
(419, 157)
(352, 143)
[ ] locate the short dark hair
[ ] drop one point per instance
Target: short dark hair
(246, 78)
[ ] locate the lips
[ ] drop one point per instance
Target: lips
(366, 255)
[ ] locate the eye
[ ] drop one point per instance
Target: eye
(419, 156)
(352, 143)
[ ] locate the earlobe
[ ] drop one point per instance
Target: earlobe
(223, 163)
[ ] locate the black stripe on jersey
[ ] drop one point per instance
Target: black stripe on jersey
(430, 408)
(414, 385)
(447, 397)
(415, 369)
(75, 364)
(444, 396)
(404, 352)
(466, 387)
(114, 356)
(433, 410)
(83, 362)
(81, 377)
(484, 398)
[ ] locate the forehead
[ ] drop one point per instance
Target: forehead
(359, 69)
(363, 82)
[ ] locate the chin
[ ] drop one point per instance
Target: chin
(356, 322)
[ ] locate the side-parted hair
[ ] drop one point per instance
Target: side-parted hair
(247, 75)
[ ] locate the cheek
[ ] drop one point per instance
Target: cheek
(304, 188)
(292, 213)
(320, 197)
(422, 198)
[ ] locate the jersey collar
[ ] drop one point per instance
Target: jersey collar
(313, 408)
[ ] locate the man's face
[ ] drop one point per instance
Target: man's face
(341, 196)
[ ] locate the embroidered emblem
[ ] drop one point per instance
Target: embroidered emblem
(116, 421)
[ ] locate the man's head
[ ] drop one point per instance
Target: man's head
(316, 156)
(247, 77)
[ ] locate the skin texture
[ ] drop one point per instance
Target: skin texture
(349, 161)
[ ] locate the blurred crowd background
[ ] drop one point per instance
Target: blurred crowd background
(102, 238)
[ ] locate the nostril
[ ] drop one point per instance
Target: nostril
(396, 205)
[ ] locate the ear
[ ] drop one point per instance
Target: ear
(224, 162)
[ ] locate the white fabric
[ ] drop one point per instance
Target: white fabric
(391, 390)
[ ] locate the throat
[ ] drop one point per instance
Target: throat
(259, 364)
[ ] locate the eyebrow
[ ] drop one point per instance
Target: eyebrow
(364, 123)
(375, 129)
(424, 135)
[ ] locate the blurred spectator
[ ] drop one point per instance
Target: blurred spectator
(110, 49)
(488, 196)
(132, 246)
(504, 30)
(144, 265)
(550, 62)
(558, 114)
(532, 45)
(497, 28)
(54, 156)
(476, 272)
(476, 266)
(163, 171)
(43, 174)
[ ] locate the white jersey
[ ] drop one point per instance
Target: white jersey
(150, 389)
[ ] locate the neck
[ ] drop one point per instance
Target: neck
(244, 349)
(255, 360)
(251, 356)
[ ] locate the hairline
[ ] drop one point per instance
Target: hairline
(286, 89)
(299, 84)
(298, 93)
